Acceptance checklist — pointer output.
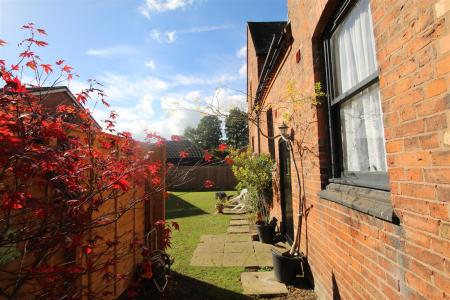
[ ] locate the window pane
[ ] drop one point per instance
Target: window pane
(362, 132)
(353, 48)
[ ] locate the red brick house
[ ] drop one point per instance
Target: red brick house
(373, 156)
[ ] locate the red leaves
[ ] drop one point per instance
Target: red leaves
(229, 161)
(207, 156)
(88, 250)
(31, 64)
(28, 26)
(41, 31)
(81, 97)
(59, 62)
(105, 103)
(13, 84)
(47, 68)
(26, 54)
(67, 68)
(14, 67)
(154, 168)
(183, 154)
(164, 230)
(122, 184)
(222, 147)
(208, 184)
(73, 202)
(41, 43)
(15, 200)
(175, 225)
(175, 138)
(2, 42)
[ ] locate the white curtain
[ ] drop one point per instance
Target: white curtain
(363, 133)
(353, 45)
(354, 58)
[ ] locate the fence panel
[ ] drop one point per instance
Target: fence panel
(188, 178)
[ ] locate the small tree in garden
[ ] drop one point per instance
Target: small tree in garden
(60, 178)
(208, 133)
(236, 128)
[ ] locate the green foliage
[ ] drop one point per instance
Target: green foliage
(208, 133)
(236, 128)
(254, 172)
(190, 133)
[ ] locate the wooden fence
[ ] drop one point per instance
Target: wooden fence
(192, 178)
(120, 240)
(127, 233)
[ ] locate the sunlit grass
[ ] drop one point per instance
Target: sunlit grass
(194, 212)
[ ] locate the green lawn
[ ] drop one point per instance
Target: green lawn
(194, 211)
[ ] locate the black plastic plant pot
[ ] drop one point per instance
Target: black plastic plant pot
(285, 267)
(266, 233)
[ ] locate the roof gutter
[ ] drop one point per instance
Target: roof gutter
(271, 60)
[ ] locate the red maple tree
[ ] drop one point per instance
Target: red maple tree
(58, 172)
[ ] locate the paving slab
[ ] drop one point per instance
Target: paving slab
(238, 217)
(239, 229)
(262, 247)
(207, 259)
(262, 284)
(230, 211)
(212, 237)
(210, 247)
(238, 247)
(244, 259)
(239, 222)
(264, 259)
(238, 237)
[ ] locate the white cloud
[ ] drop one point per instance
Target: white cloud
(227, 99)
(243, 70)
(114, 50)
(179, 110)
(242, 52)
(163, 37)
(158, 6)
(150, 64)
(205, 28)
(120, 88)
(182, 79)
(170, 36)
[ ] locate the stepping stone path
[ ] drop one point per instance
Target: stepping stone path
(239, 229)
(238, 222)
(238, 217)
(237, 249)
(262, 284)
(234, 249)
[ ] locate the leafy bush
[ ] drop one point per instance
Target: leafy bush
(254, 172)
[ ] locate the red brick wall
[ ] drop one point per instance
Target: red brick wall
(352, 253)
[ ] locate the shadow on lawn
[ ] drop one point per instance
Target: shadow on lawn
(177, 207)
(184, 287)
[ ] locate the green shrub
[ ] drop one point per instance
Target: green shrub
(254, 172)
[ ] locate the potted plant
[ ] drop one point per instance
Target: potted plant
(264, 227)
(220, 205)
(254, 172)
(286, 266)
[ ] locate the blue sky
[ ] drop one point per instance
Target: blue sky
(153, 56)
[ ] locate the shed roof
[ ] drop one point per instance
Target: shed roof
(175, 147)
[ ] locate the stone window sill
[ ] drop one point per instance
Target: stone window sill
(376, 203)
